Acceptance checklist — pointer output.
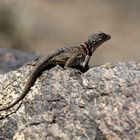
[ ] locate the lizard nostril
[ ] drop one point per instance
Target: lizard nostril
(109, 36)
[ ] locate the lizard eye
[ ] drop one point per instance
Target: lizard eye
(104, 36)
(80, 55)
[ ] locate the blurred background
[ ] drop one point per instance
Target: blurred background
(43, 25)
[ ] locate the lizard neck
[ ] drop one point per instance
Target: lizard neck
(87, 48)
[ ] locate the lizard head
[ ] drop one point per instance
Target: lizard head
(92, 43)
(96, 39)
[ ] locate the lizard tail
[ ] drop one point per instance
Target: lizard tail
(30, 82)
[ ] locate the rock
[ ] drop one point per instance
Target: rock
(11, 59)
(101, 104)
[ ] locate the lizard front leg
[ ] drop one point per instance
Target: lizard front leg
(86, 61)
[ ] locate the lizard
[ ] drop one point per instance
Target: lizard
(68, 57)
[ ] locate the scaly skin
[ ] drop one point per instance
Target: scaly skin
(68, 57)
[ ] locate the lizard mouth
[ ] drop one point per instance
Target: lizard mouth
(108, 36)
(105, 37)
